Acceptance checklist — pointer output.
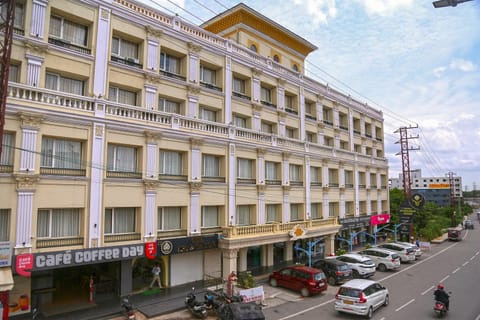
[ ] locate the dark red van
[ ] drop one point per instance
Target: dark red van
(300, 278)
(455, 234)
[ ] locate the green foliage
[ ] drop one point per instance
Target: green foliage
(246, 280)
(368, 245)
(339, 252)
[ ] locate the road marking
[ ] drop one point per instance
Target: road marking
(465, 263)
(308, 309)
(445, 278)
(472, 258)
(455, 271)
(428, 290)
(477, 253)
(406, 304)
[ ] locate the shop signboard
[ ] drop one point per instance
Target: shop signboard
(380, 219)
(355, 222)
(151, 250)
(5, 254)
(187, 244)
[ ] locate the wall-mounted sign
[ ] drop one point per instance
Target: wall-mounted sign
(355, 222)
(380, 219)
(439, 186)
(187, 244)
(150, 250)
(5, 254)
(24, 264)
(297, 232)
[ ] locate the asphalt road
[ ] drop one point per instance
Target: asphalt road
(455, 264)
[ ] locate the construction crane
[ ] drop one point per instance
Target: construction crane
(7, 19)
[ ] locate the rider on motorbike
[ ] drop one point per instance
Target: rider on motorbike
(442, 296)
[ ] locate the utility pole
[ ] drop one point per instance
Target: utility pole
(451, 180)
(7, 20)
(404, 148)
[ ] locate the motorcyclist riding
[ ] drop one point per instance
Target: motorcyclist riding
(442, 296)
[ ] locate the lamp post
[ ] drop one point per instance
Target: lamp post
(311, 245)
(353, 235)
(395, 228)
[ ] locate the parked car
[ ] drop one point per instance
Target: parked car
(468, 224)
(418, 252)
(406, 253)
(307, 280)
(384, 259)
(335, 270)
(361, 297)
(362, 267)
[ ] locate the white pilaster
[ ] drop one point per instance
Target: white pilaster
(102, 45)
(34, 65)
(37, 27)
(150, 213)
(232, 178)
(228, 90)
(24, 231)
(150, 97)
(195, 213)
(152, 55)
(29, 144)
(96, 183)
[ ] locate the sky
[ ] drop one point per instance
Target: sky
(418, 64)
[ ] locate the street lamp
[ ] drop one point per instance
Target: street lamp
(447, 3)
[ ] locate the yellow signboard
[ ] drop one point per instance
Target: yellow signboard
(439, 186)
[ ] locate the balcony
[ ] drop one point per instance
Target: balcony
(309, 116)
(68, 45)
(213, 179)
(210, 86)
(59, 242)
(62, 172)
(328, 122)
(5, 168)
(246, 181)
(173, 75)
(291, 110)
(241, 96)
(132, 62)
(122, 237)
(124, 174)
(172, 177)
(272, 228)
(273, 182)
(268, 104)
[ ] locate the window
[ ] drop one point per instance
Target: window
(8, 148)
(208, 114)
(68, 31)
(211, 166)
(333, 209)
(59, 83)
(171, 163)
(13, 75)
(238, 85)
(328, 141)
(310, 112)
(166, 105)
(239, 121)
(311, 137)
(327, 116)
(60, 153)
(253, 48)
(121, 158)
(120, 220)
(348, 179)
(333, 177)
(349, 208)
(169, 63)
(122, 96)
(4, 224)
(316, 210)
(291, 133)
(316, 176)
(267, 127)
(276, 58)
(295, 174)
(169, 218)
(295, 212)
(124, 49)
(208, 75)
(58, 223)
(361, 180)
(243, 215)
(265, 94)
(19, 14)
(210, 216)
(272, 172)
(272, 213)
(373, 180)
(245, 169)
(295, 68)
(344, 145)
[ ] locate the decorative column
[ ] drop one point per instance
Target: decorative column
(34, 66)
(229, 257)
(256, 85)
(196, 159)
(150, 209)
(329, 244)
(25, 191)
(232, 178)
(153, 40)
(150, 97)
(301, 112)
(281, 94)
(96, 186)
(195, 209)
(102, 52)
(261, 204)
(192, 101)
(228, 90)
(256, 121)
(308, 179)
(30, 126)
(193, 63)
(37, 27)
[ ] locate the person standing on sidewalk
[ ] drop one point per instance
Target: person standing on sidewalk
(156, 276)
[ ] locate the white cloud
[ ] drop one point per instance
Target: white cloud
(463, 65)
(438, 72)
(320, 10)
(384, 7)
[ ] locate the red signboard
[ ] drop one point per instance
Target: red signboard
(151, 250)
(23, 264)
(380, 219)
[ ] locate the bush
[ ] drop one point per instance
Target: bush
(246, 280)
(339, 252)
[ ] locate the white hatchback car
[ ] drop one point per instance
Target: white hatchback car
(361, 297)
(362, 267)
(384, 259)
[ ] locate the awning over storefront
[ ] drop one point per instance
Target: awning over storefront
(6, 279)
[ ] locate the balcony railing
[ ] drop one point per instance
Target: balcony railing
(210, 86)
(246, 181)
(132, 62)
(172, 177)
(213, 179)
(273, 182)
(309, 116)
(328, 122)
(291, 111)
(123, 174)
(268, 104)
(241, 96)
(68, 45)
(173, 75)
(122, 237)
(59, 242)
(62, 172)
(5, 168)
(255, 230)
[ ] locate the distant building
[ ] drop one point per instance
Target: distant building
(434, 189)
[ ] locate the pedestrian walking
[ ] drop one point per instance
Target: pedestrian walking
(156, 276)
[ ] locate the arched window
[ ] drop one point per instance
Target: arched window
(276, 58)
(253, 48)
(295, 68)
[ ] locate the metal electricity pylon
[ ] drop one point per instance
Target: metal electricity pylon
(404, 149)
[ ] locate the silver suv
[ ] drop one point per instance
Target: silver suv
(384, 259)
(406, 253)
(418, 252)
(361, 297)
(362, 267)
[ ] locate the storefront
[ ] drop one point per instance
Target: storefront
(189, 259)
(355, 231)
(6, 278)
(74, 277)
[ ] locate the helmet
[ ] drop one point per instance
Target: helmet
(440, 286)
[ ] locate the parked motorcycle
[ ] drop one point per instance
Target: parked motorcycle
(197, 308)
(128, 309)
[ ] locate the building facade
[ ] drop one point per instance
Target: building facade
(438, 190)
(133, 137)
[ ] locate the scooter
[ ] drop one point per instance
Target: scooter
(128, 309)
(197, 308)
(440, 309)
